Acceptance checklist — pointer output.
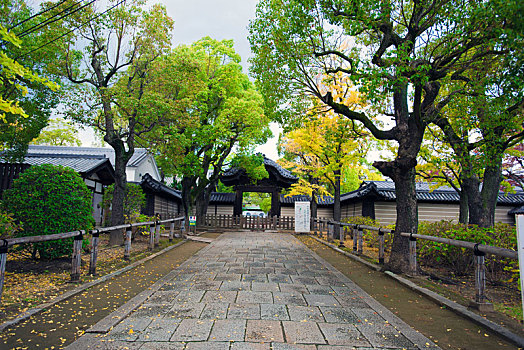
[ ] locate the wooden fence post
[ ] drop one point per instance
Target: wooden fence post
(127, 244)
(182, 227)
(380, 246)
(95, 240)
(342, 236)
(360, 241)
(152, 237)
(171, 230)
(481, 302)
(157, 233)
(355, 239)
(3, 261)
(76, 260)
(412, 255)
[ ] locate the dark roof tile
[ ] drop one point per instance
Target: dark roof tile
(386, 190)
(139, 155)
(222, 198)
(148, 183)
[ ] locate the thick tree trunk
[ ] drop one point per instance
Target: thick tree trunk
(490, 191)
(402, 171)
(482, 203)
(471, 185)
(336, 205)
(186, 199)
(119, 194)
(407, 218)
(202, 203)
(463, 209)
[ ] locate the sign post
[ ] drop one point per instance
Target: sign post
(520, 251)
(192, 223)
(302, 217)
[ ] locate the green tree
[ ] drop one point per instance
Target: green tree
(27, 97)
(134, 201)
(320, 151)
(59, 132)
(398, 53)
(224, 112)
(480, 125)
(437, 163)
(113, 89)
(50, 199)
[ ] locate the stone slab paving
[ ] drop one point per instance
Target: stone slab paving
(256, 290)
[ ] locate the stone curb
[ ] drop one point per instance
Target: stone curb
(33, 311)
(439, 299)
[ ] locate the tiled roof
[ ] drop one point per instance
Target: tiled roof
(268, 163)
(283, 172)
(304, 198)
(139, 155)
(157, 187)
(385, 190)
(518, 210)
(222, 197)
(81, 164)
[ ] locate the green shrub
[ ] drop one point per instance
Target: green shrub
(370, 236)
(142, 230)
(8, 225)
(460, 260)
(134, 200)
(50, 199)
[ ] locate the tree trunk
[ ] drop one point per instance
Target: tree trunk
(202, 203)
(402, 171)
(186, 199)
(119, 194)
(463, 210)
(407, 219)
(313, 206)
(489, 194)
(471, 185)
(336, 205)
(482, 203)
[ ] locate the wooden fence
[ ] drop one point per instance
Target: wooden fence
(154, 240)
(479, 250)
(255, 223)
(10, 172)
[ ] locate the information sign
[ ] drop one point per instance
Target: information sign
(302, 217)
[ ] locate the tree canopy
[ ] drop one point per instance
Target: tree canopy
(28, 87)
(398, 53)
(110, 61)
(223, 112)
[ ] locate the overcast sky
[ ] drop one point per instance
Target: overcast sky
(224, 19)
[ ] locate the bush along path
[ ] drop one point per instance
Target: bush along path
(61, 324)
(444, 327)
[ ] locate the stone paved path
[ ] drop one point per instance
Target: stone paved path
(257, 291)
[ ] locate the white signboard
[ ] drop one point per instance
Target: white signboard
(520, 242)
(302, 217)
